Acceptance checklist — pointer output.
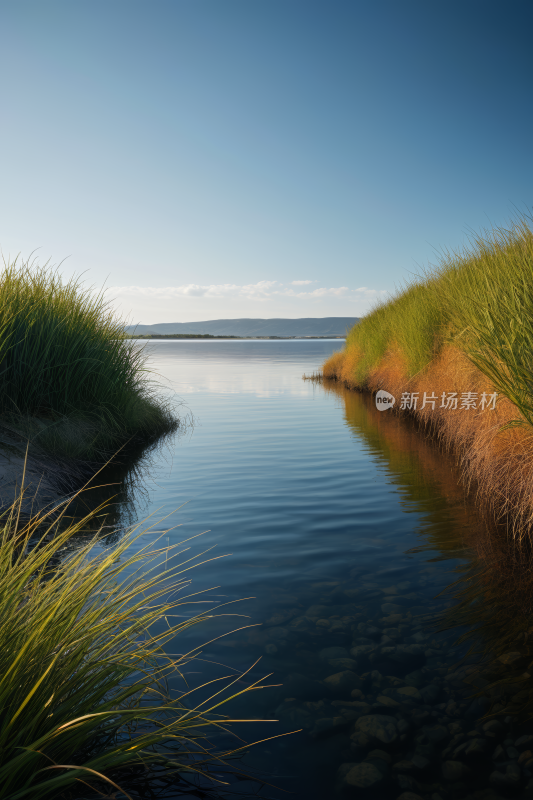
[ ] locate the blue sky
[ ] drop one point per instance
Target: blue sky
(261, 158)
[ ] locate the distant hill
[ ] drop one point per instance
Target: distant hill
(307, 326)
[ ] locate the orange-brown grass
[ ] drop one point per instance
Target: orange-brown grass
(497, 465)
(465, 326)
(332, 368)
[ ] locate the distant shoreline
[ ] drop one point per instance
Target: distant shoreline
(151, 336)
(249, 328)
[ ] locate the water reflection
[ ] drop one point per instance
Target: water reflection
(364, 646)
(347, 525)
(493, 593)
(481, 704)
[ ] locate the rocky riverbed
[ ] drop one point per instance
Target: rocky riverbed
(388, 705)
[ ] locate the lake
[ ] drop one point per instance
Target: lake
(340, 526)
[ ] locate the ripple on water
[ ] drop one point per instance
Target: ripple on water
(324, 505)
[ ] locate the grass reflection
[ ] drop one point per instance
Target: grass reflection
(493, 593)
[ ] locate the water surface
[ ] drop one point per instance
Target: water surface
(342, 526)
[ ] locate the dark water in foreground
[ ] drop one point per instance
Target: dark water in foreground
(343, 526)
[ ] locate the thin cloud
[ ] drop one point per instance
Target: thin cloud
(261, 291)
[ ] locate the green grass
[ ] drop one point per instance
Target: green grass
(411, 320)
(84, 664)
(489, 298)
(69, 379)
(479, 298)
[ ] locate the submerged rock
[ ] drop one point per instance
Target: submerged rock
(362, 650)
(364, 776)
(378, 727)
(381, 755)
(510, 780)
(384, 700)
(316, 611)
(524, 743)
(408, 694)
(342, 771)
(342, 683)
(353, 706)
(430, 694)
(471, 750)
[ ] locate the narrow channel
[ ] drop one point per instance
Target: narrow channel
(341, 528)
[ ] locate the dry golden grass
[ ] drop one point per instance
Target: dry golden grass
(332, 368)
(465, 326)
(496, 465)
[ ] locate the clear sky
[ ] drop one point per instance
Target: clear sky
(259, 158)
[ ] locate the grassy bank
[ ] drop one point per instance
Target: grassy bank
(466, 326)
(85, 668)
(69, 380)
(92, 697)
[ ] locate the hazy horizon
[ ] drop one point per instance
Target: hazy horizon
(252, 326)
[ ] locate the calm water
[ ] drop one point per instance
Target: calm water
(341, 527)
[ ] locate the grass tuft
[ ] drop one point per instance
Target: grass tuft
(69, 379)
(84, 667)
(465, 326)
(478, 299)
